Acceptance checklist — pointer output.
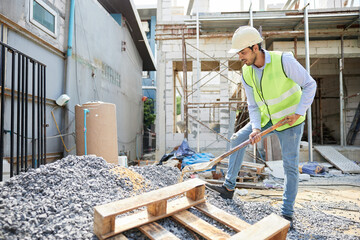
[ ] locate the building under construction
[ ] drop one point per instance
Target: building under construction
(78, 83)
(322, 35)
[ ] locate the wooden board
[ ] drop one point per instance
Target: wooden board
(128, 204)
(223, 217)
(143, 217)
(199, 226)
(247, 179)
(238, 185)
(106, 226)
(258, 166)
(156, 231)
(119, 237)
(272, 227)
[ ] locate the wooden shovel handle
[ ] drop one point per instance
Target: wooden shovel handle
(243, 144)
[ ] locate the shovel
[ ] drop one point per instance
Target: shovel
(199, 167)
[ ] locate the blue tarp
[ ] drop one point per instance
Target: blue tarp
(197, 158)
(312, 168)
(187, 155)
(184, 150)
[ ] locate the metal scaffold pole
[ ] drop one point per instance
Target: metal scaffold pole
(185, 85)
(198, 71)
(307, 60)
(341, 88)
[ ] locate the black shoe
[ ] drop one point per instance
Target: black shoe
(224, 192)
(290, 219)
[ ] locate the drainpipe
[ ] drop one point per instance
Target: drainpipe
(67, 61)
(85, 130)
(71, 28)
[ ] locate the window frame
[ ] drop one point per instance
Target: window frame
(39, 25)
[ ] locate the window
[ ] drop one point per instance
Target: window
(42, 16)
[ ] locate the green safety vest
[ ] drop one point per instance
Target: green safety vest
(277, 96)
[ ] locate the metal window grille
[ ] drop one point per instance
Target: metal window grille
(23, 99)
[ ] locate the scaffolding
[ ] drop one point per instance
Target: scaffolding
(346, 19)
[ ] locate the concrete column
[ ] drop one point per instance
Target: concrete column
(224, 97)
(160, 105)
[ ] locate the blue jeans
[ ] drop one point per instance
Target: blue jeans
(290, 147)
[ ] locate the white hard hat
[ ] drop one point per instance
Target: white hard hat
(244, 36)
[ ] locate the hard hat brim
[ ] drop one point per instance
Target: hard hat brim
(233, 50)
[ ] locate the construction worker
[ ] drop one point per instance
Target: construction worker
(276, 86)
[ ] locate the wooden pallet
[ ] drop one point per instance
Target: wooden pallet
(107, 225)
(253, 179)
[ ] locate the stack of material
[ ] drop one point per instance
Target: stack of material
(251, 172)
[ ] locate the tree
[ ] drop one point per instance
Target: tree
(149, 115)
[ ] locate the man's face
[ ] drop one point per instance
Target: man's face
(247, 56)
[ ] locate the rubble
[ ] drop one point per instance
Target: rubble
(56, 201)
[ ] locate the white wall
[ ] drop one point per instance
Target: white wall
(98, 70)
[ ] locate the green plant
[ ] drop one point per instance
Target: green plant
(149, 115)
(178, 105)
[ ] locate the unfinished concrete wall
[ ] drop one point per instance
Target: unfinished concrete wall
(324, 62)
(170, 51)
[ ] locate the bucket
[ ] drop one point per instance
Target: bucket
(122, 161)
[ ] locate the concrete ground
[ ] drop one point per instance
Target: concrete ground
(335, 196)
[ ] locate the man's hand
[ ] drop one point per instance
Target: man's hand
(255, 137)
(292, 118)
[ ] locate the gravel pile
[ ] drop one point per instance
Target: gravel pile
(56, 201)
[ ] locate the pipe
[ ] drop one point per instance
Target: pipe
(307, 58)
(67, 61)
(71, 28)
(85, 129)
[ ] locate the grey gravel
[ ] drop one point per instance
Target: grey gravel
(56, 201)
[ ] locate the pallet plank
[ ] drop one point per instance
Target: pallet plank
(199, 226)
(238, 185)
(223, 217)
(143, 217)
(157, 208)
(156, 231)
(128, 204)
(104, 215)
(119, 237)
(272, 227)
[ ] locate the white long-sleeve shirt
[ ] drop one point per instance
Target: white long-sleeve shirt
(293, 70)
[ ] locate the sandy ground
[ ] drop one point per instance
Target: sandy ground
(333, 196)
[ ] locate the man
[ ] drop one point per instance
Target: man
(277, 87)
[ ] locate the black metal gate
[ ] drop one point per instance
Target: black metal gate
(23, 99)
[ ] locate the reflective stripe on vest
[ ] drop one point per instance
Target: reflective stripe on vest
(278, 95)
